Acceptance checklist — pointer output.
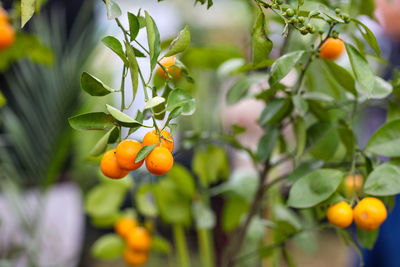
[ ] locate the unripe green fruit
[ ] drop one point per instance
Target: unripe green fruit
(303, 30)
(279, 2)
(289, 12)
(301, 19)
(337, 10)
(293, 20)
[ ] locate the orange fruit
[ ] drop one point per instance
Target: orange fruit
(351, 182)
(139, 239)
(7, 35)
(153, 137)
(159, 161)
(125, 225)
(109, 166)
(135, 258)
(126, 154)
(3, 15)
(331, 48)
(340, 214)
(369, 213)
(169, 65)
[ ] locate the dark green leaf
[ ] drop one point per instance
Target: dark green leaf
(384, 180)
(275, 111)
(283, 65)
(303, 169)
(348, 138)
(266, 144)
(144, 152)
(393, 111)
(153, 38)
(134, 26)
(92, 121)
(344, 78)
(300, 131)
(322, 140)
(262, 45)
(94, 86)
(238, 90)
(367, 239)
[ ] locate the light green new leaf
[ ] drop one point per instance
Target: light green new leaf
(368, 36)
(153, 38)
(314, 188)
(180, 43)
(27, 10)
(361, 69)
(133, 68)
(108, 247)
(384, 180)
(154, 102)
(114, 44)
(122, 118)
(283, 65)
(262, 45)
(92, 121)
(386, 140)
(113, 10)
(94, 86)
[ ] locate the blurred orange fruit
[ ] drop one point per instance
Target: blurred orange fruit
(139, 239)
(135, 258)
(7, 35)
(124, 226)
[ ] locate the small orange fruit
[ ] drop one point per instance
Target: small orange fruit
(7, 35)
(126, 154)
(159, 161)
(353, 182)
(109, 166)
(331, 48)
(3, 15)
(139, 239)
(369, 213)
(169, 65)
(135, 258)
(340, 214)
(125, 225)
(153, 137)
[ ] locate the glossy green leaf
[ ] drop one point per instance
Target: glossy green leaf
(122, 118)
(144, 200)
(361, 69)
(183, 180)
(342, 76)
(104, 199)
(386, 140)
(384, 180)
(275, 111)
(368, 36)
(153, 38)
(314, 188)
(180, 43)
(108, 247)
(101, 145)
(133, 68)
(27, 11)
(113, 10)
(348, 138)
(114, 44)
(322, 140)
(262, 45)
(134, 26)
(92, 121)
(144, 152)
(303, 169)
(154, 102)
(181, 98)
(266, 144)
(283, 65)
(94, 86)
(367, 239)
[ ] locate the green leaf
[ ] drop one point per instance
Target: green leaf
(234, 209)
(348, 138)
(133, 68)
(134, 26)
(113, 10)
(144, 200)
(3, 100)
(262, 45)
(386, 140)
(393, 111)
(342, 76)
(314, 188)
(383, 180)
(283, 65)
(203, 215)
(154, 102)
(367, 239)
(153, 38)
(266, 144)
(275, 111)
(181, 98)
(160, 245)
(101, 145)
(144, 152)
(368, 36)
(114, 44)
(303, 169)
(94, 86)
(183, 180)
(322, 140)
(27, 11)
(300, 104)
(381, 88)
(108, 247)
(104, 199)
(238, 90)
(180, 43)
(300, 131)
(361, 69)
(174, 114)
(92, 121)
(122, 118)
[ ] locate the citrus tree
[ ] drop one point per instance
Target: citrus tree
(308, 128)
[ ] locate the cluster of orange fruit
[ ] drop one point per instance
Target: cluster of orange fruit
(331, 49)
(117, 163)
(137, 241)
(7, 34)
(368, 214)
